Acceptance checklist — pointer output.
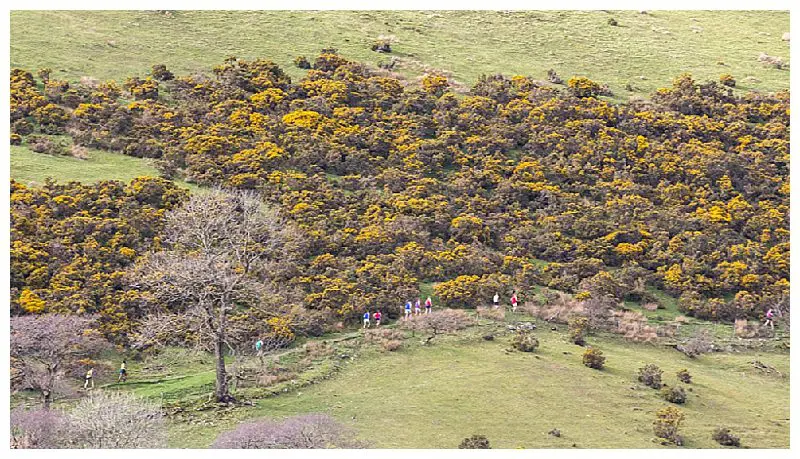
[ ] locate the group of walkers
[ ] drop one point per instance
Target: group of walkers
(417, 311)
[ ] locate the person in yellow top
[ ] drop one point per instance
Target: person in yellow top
(123, 372)
(89, 378)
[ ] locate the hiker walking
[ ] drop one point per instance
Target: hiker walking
(417, 308)
(377, 317)
(428, 304)
(496, 300)
(259, 347)
(514, 302)
(366, 319)
(770, 319)
(408, 309)
(123, 372)
(89, 379)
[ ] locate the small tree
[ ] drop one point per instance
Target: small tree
(475, 442)
(684, 376)
(312, 431)
(48, 346)
(116, 420)
(593, 358)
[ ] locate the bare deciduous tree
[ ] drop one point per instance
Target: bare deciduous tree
(116, 420)
(48, 345)
(220, 249)
(313, 431)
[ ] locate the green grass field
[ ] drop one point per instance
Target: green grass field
(658, 45)
(434, 397)
(31, 168)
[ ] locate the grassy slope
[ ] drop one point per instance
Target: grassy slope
(433, 397)
(33, 168)
(658, 45)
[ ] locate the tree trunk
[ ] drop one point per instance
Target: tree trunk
(222, 394)
(47, 393)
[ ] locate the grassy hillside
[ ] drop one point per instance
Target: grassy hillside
(645, 50)
(432, 397)
(33, 168)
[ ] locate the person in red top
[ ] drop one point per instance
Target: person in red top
(377, 317)
(428, 304)
(514, 302)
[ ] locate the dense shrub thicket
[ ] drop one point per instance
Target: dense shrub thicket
(71, 244)
(391, 184)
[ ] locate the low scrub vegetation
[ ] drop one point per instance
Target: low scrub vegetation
(593, 358)
(438, 322)
(724, 437)
(101, 421)
(386, 339)
(700, 343)
(650, 376)
(675, 394)
(667, 423)
(313, 431)
(475, 442)
(524, 341)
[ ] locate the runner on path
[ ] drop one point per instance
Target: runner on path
(89, 375)
(770, 319)
(123, 372)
